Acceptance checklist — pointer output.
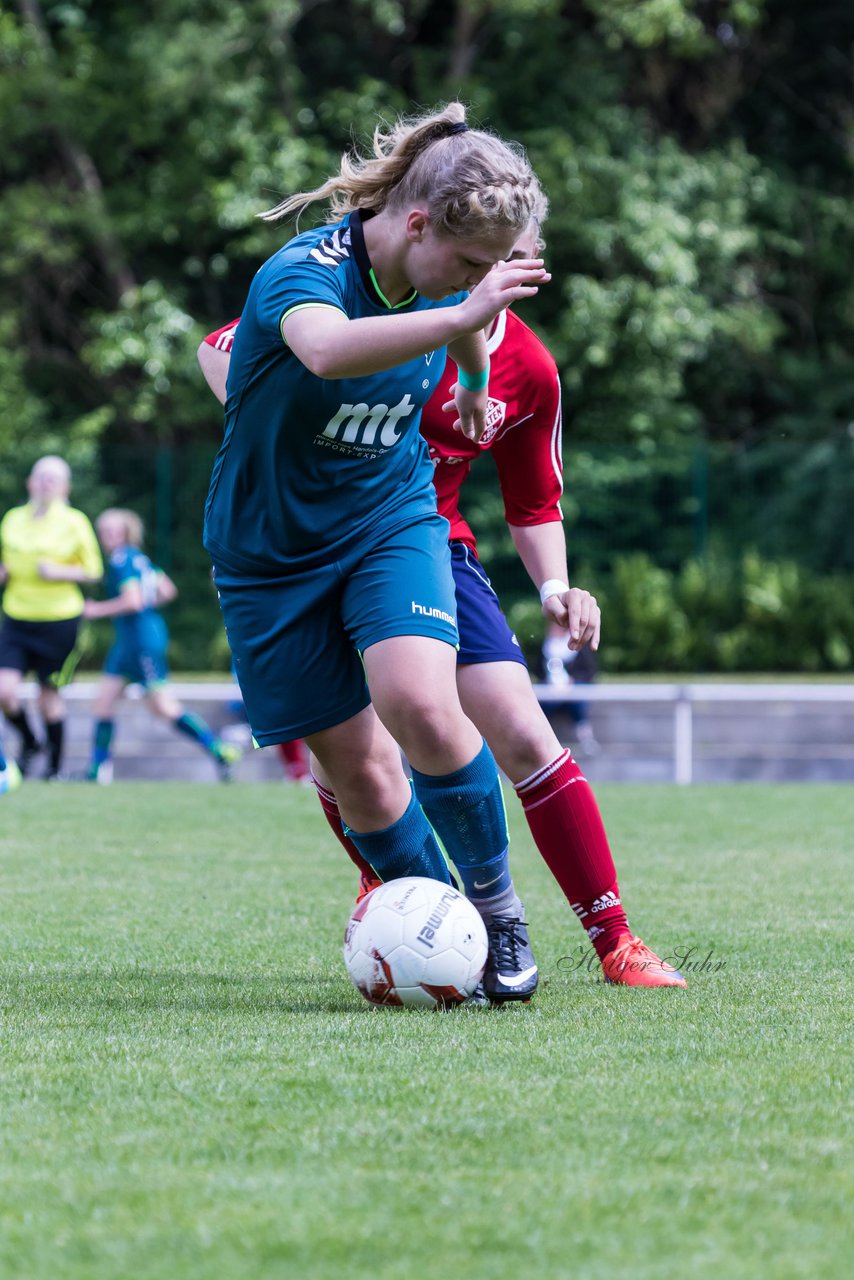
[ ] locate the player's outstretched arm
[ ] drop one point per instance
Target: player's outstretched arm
(333, 346)
(542, 550)
(165, 589)
(470, 401)
(54, 571)
(128, 601)
(214, 365)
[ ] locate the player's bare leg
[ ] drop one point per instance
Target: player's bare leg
(10, 705)
(499, 698)
(373, 799)
(563, 816)
(225, 755)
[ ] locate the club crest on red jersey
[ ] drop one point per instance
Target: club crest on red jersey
(496, 411)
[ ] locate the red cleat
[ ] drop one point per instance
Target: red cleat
(632, 964)
(366, 884)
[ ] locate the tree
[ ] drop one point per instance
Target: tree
(698, 158)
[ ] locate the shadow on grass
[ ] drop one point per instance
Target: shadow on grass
(133, 989)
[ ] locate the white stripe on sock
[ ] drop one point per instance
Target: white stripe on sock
(529, 784)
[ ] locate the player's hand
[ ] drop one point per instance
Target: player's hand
(470, 407)
(50, 571)
(577, 611)
(90, 609)
(4, 573)
(506, 283)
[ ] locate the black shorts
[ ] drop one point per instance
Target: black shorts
(41, 647)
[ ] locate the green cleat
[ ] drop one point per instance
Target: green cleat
(227, 756)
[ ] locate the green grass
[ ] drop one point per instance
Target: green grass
(190, 1087)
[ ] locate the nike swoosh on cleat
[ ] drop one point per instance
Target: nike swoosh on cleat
(518, 978)
(489, 883)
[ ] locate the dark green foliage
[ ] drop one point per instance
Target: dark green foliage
(718, 615)
(698, 162)
(755, 615)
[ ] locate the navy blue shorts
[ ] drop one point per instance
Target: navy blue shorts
(297, 638)
(484, 632)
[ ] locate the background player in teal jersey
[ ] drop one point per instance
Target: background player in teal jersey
(331, 562)
(136, 589)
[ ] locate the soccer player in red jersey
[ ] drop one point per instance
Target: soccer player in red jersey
(523, 434)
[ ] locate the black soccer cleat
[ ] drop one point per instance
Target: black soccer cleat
(477, 999)
(511, 971)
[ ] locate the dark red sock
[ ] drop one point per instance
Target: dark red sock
(603, 918)
(294, 758)
(367, 876)
(568, 830)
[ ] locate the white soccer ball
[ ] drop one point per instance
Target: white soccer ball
(415, 942)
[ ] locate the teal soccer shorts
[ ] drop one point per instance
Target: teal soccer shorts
(297, 638)
(139, 653)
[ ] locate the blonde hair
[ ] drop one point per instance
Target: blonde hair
(471, 183)
(53, 462)
(539, 213)
(134, 528)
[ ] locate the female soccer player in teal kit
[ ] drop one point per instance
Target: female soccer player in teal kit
(330, 559)
(523, 434)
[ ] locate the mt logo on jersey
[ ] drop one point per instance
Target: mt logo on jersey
(367, 426)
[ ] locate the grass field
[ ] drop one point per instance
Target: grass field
(190, 1087)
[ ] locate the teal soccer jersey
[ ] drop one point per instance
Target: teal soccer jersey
(129, 564)
(310, 467)
(139, 653)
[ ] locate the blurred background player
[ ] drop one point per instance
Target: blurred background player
(294, 758)
(48, 550)
(293, 755)
(135, 590)
(523, 434)
(561, 667)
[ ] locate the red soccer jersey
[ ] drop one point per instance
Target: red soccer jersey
(523, 429)
(523, 432)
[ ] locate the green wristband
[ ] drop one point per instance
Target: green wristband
(473, 381)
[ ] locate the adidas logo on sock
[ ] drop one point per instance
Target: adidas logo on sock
(607, 900)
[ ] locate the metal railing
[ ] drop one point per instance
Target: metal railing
(683, 697)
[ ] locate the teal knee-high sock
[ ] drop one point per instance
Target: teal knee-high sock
(102, 742)
(407, 848)
(466, 808)
(199, 730)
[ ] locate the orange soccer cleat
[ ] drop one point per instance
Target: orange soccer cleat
(366, 884)
(632, 964)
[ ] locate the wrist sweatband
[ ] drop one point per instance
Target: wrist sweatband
(473, 381)
(554, 587)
